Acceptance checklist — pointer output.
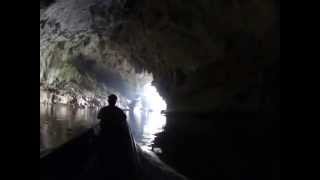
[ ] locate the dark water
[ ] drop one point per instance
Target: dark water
(61, 123)
(200, 146)
(224, 146)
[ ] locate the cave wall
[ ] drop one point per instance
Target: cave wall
(213, 54)
(78, 65)
(203, 55)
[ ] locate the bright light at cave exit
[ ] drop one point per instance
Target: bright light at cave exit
(152, 99)
(155, 104)
(152, 103)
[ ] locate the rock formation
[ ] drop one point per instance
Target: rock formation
(219, 52)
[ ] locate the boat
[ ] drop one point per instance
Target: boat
(77, 159)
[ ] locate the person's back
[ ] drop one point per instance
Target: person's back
(113, 120)
(115, 144)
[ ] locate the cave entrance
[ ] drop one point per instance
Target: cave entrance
(147, 121)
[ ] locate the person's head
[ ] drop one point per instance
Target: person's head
(112, 99)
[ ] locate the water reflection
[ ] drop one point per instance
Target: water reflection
(145, 125)
(60, 123)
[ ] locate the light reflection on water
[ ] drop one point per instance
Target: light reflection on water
(60, 123)
(145, 125)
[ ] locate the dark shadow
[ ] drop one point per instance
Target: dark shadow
(116, 148)
(46, 3)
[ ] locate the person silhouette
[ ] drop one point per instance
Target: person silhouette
(116, 145)
(112, 118)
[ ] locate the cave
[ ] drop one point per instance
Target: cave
(198, 80)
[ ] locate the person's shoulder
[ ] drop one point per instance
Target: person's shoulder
(118, 109)
(105, 108)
